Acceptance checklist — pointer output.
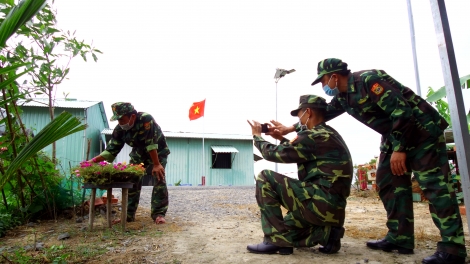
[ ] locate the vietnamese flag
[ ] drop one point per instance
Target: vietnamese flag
(197, 110)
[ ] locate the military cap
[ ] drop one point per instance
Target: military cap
(120, 109)
(310, 101)
(328, 66)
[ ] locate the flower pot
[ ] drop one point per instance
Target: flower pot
(113, 200)
(98, 201)
(462, 210)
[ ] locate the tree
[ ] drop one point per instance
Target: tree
(49, 51)
(25, 154)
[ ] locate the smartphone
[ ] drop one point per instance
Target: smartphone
(264, 128)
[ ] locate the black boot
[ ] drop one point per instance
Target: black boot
(387, 246)
(266, 248)
(334, 241)
(130, 217)
(443, 258)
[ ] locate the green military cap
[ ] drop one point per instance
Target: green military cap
(120, 109)
(328, 66)
(310, 101)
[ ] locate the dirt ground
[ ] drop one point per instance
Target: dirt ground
(208, 240)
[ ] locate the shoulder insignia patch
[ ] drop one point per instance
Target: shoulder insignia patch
(377, 89)
(147, 126)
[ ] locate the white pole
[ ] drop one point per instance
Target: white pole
(413, 47)
(275, 164)
(454, 95)
(203, 160)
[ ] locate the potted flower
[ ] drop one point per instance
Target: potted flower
(105, 173)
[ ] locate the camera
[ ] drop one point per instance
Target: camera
(264, 128)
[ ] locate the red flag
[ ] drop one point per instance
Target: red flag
(197, 110)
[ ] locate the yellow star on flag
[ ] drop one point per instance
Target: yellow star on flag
(196, 110)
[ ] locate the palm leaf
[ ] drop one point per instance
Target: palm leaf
(11, 80)
(12, 67)
(18, 16)
(62, 126)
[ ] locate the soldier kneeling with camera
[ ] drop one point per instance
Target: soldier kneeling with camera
(316, 201)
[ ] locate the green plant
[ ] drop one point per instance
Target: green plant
(435, 98)
(56, 254)
(178, 183)
(441, 106)
(8, 221)
(20, 256)
(64, 125)
(441, 92)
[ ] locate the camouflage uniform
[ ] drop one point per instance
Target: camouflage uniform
(407, 124)
(144, 136)
(317, 200)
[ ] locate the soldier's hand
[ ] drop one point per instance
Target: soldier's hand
(397, 163)
(159, 172)
(279, 128)
(255, 127)
(276, 134)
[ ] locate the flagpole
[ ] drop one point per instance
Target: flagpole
(203, 160)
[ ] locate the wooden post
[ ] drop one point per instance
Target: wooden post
(91, 213)
(124, 208)
(108, 205)
(109, 187)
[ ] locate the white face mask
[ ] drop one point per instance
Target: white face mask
(302, 127)
(127, 126)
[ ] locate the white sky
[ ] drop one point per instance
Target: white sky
(164, 55)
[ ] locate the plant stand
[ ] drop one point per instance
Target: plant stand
(125, 186)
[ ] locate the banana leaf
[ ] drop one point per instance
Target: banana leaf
(62, 126)
(441, 92)
(18, 16)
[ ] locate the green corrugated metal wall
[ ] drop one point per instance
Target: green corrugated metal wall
(185, 162)
(72, 148)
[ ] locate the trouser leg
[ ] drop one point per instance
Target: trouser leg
(159, 202)
(396, 196)
(304, 234)
(133, 198)
(274, 190)
(431, 167)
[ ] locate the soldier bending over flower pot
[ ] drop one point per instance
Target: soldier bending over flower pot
(140, 131)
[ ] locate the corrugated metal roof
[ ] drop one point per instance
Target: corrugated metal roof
(64, 103)
(170, 134)
(224, 149)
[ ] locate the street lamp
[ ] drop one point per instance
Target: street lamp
(277, 76)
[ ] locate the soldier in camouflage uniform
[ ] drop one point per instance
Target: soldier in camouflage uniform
(316, 201)
(412, 140)
(140, 131)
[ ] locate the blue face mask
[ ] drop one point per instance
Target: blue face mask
(329, 91)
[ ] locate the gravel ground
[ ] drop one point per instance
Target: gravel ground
(187, 202)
